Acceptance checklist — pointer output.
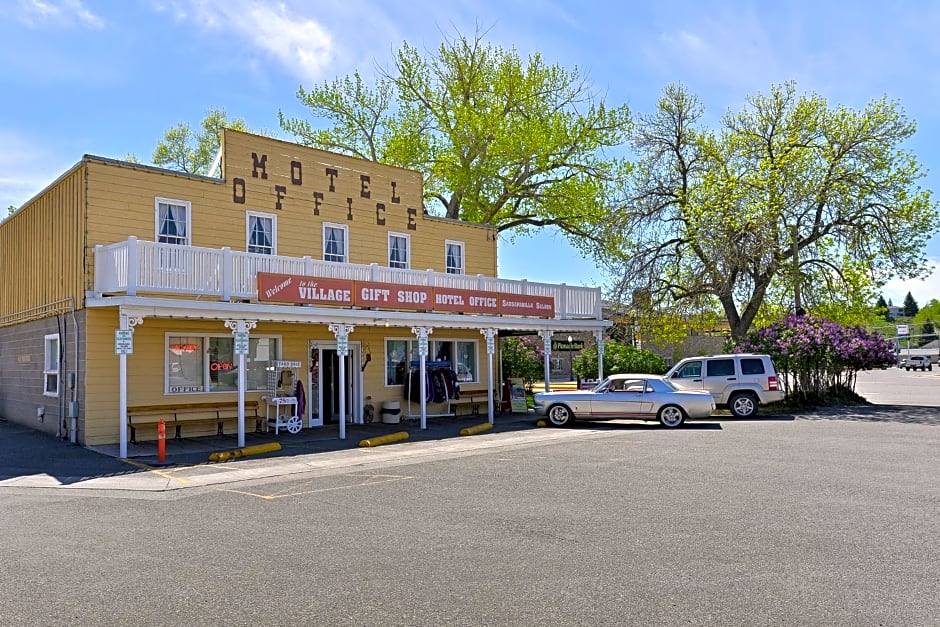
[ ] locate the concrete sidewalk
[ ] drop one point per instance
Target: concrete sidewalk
(31, 459)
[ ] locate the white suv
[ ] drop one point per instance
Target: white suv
(740, 381)
(917, 362)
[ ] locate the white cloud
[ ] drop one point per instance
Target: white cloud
(300, 44)
(67, 13)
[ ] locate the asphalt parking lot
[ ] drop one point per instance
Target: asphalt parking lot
(822, 518)
(32, 459)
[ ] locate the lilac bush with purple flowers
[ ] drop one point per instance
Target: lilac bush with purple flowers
(817, 358)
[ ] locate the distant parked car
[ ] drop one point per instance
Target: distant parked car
(740, 381)
(917, 362)
(641, 396)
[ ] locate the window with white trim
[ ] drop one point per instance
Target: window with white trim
(208, 363)
(335, 237)
(262, 233)
(454, 257)
(173, 221)
(400, 354)
(399, 249)
(50, 365)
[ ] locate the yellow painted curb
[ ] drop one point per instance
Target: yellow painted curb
(541, 423)
(476, 429)
(222, 456)
(385, 439)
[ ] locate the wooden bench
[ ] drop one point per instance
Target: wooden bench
(188, 414)
(472, 399)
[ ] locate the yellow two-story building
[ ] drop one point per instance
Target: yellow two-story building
(299, 286)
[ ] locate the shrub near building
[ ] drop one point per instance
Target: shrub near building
(618, 358)
(818, 359)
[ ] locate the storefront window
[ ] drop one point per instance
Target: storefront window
(193, 368)
(465, 361)
(399, 354)
(396, 361)
(184, 365)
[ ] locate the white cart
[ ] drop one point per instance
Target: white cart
(281, 404)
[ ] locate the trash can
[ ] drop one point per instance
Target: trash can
(391, 412)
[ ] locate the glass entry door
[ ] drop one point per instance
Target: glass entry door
(323, 378)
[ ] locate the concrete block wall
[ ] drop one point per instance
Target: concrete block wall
(22, 357)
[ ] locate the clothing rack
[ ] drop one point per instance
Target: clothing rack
(430, 366)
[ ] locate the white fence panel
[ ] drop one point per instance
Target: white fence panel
(134, 266)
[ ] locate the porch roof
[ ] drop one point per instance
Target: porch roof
(159, 307)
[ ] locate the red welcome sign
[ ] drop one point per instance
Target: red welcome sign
(304, 290)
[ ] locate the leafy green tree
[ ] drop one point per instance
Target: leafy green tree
(501, 140)
(10, 210)
(618, 358)
(787, 201)
(910, 306)
(193, 151)
(925, 318)
(523, 357)
(927, 332)
(881, 309)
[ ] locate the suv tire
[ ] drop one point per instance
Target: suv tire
(743, 405)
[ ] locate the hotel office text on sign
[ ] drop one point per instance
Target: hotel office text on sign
(305, 290)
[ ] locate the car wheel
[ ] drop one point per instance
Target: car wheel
(671, 416)
(743, 405)
(560, 416)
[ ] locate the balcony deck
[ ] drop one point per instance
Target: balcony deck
(134, 266)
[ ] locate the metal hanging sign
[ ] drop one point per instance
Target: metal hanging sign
(241, 343)
(123, 342)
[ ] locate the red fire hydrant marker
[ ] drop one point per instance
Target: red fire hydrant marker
(161, 441)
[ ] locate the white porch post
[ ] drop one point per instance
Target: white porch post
(342, 331)
(126, 323)
(599, 336)
(423, 333)
(547, 344)
(240, 329)
(490, 334)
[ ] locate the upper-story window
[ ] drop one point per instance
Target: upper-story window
(454, 257)
(50, 366)
(335, 238)
(262, 233)
(173, 221)
(399, 247)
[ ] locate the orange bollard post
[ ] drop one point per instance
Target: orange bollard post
(161, 441)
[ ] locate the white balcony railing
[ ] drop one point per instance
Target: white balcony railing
(138, 266)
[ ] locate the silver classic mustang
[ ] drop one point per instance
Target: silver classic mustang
(638, 396)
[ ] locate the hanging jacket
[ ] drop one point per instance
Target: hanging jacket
(301, 397)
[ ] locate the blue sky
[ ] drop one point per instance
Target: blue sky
(108, 78)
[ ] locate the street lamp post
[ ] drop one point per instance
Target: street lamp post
(570, 361)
